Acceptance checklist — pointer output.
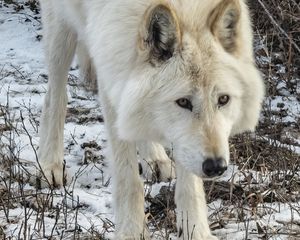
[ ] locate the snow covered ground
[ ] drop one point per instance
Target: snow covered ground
(83, 209)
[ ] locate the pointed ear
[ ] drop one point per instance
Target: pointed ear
(224, 22)
(160, 33)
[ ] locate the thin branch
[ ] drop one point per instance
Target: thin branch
(278, 26)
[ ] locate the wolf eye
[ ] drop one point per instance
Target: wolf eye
(223, 100)
(185, 103)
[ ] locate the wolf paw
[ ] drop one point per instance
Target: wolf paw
(132, 237)
(211, 237)
(155, 165)
(158, 170)
(205, 235)
(52, 175)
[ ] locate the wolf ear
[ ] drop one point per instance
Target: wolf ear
(160, 33)
(224, 24)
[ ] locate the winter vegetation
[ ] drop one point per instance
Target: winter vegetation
(257, 198)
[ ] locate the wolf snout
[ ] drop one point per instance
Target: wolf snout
(213, 167)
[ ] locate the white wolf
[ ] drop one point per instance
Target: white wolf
(176, 71)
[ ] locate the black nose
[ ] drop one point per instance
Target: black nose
(213, 167)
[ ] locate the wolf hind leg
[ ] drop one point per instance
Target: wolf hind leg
(87, 73)
(155, 163)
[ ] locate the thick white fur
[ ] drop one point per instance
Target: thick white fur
(138, 98)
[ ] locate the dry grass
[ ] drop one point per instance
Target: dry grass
(266, 160)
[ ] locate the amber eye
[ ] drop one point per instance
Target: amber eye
(185, 103)
(223, 100)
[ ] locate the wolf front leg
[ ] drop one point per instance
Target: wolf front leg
(60, 43)
(192, 221)
(128, 190)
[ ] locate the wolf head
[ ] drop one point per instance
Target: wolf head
(195, 83)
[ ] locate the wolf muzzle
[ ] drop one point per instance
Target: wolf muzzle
(213, 167)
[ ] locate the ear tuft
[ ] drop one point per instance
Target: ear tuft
(224, 24)
(161, 33)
